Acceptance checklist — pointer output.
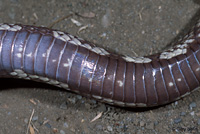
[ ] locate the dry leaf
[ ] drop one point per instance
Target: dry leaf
(31, 129)
(97, 117)
(88, 15)
(32, 101)
(77, 23)
(82, 28)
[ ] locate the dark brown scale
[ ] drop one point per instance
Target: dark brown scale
(88, 72)
(179, 79)
(53, 58)
(3, 34)
(66, 59)
(129, 87)
(44, 44)
(194, 63)
(76, 67)
(97, 85)
(149, 79)
(110, 79)
(118, 93)
(160, 84)
(169, 80)
(140, 89)
(6, 50)
(31, 41)
(83, 65)
(189, 76)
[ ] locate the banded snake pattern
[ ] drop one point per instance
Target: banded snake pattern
(69, 62)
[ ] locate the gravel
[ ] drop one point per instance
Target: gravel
(192, 105)
(182, 113)
(177, 120)
(35, 118)
(66, 125)
(110, 128)
(62, 132)
(63, 105)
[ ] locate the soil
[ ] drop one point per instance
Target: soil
(134, 28)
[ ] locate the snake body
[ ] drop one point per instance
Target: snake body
(66, 61)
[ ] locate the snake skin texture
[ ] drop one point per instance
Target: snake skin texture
(60, 59)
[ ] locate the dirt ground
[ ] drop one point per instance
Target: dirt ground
(133, 27)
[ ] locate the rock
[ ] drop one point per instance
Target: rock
(63, 105)
(99, 127)
(110, 128)
(156, 123)
(192, 113)
(72, 100)
(35, 118)
(192, 105)
(150, 126)
(47, 125)
(9, 113)
(183, 113)
(177, 120)
(65, 125)
(142, 123)
(79, 97)
(102, 108)
(62, 132)
(26, 120)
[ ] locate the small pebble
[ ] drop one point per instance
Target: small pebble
(55, 130)
(87, 106)
(72, 100)
(110, 128)
(99, 127)
(198, 121)
(82, 101)
(156, 123)
(65, 125)
(192, 105)
(177, 120)
(122, 125)
(35, 118)
(48, 125)
(102, 108)
(93, 101)
(106, 19)
(183, 113)
(79, 97)
(176, 103)
(63, 105)
(142, 123)
(192, 113)
(143, 32)
(150, 126)
(139, 132)
(103, 35)
(62, 132)
(26, 120)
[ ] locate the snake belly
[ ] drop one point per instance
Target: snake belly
(69, 62)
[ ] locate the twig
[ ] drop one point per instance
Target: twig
(34, 127)
(140, 13)
(58, 20)
(29, 122)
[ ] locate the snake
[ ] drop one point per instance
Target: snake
(66, 61)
